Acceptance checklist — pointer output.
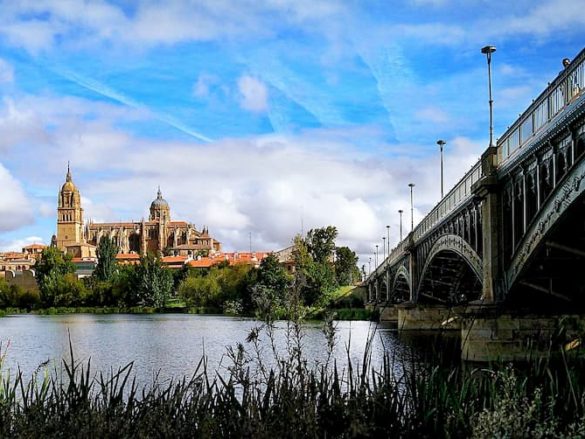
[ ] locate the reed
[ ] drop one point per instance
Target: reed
(404, 397)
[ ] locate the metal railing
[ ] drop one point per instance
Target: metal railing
(457, 196)
(569, 84)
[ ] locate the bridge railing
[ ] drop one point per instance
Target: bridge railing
(457, 196)
(454, 198)
(569, 84)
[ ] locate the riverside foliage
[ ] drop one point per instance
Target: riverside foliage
(320, 267)
(406, 397)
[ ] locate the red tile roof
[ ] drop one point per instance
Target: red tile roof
(173, 259)
(127, 256)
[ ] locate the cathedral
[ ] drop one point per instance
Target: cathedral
(160, 234)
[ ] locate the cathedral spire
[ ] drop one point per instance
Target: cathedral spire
(159, 193)
(68, 178)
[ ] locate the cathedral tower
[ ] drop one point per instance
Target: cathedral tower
(69, 215)
(159, 209)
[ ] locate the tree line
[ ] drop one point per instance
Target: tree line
(319, 268)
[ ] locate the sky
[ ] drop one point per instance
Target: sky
(261, 117)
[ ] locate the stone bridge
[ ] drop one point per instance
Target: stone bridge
(511, 233)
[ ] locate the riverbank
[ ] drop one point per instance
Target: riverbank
(349, 314)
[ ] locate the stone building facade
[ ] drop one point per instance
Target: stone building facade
(160, 234)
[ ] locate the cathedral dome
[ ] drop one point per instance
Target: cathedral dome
(68, 186)
(159, 201)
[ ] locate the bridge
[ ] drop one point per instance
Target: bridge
(508, 240)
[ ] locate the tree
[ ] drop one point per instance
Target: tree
(106, 254)
(153, 282)
(346, 270)
(315, 274)
(52, 266)
(271, 286)
(321, 243)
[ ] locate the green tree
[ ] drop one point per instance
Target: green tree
(52, 266)
(153, 282)
(315, 273)
(106, 254)
(271, 286)
(321, 243)
(346, 269)
(200, 289)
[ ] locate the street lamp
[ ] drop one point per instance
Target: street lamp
(411, 185)
(441, 144)
(487, 51)
(388, 236)
(384, 246)
(376, 256)
(369, 266)
(401, 212)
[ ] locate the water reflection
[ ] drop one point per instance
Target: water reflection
(171, 345)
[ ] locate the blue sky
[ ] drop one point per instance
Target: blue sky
(266, 117)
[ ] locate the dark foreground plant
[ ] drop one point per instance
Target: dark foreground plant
(291, 399)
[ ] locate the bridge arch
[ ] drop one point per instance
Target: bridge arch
(452, 272)
(401, 286)
(548, 261)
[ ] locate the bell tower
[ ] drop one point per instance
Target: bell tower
(69, 214)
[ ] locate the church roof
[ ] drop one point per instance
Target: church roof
(68, 186)
(159, 201)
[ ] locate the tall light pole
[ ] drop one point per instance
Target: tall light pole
(487, 51)
(401, 212)
(441, 144)
(411, 185)
(388, 238)
(384, 246)
(376, 256)
(369, 266)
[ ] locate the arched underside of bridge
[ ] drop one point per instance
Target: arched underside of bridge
(451, 274)
(383, 291)
(401, 288)
(552, 277)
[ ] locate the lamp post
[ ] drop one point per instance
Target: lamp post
(411, 185)
(487, 51)
(388, 238)
(384, 247)
(376, 256)
(401, 212)
(369, 266)
(441, 144)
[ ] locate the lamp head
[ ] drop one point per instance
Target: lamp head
(488, 50)
(441, 143)
(411, 185)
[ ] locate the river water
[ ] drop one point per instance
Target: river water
(171, 345)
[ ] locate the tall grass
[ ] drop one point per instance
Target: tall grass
(290, 398)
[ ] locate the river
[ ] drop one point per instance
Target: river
(171, 345)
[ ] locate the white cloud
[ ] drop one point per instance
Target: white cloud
(265, 185)
(16, 245)
(254, 94)
(6, 71)
(432, 114)
(15, 208)
(152, 23)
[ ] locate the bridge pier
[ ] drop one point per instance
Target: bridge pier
(488, 337)
(427, 317)
(388, 313)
